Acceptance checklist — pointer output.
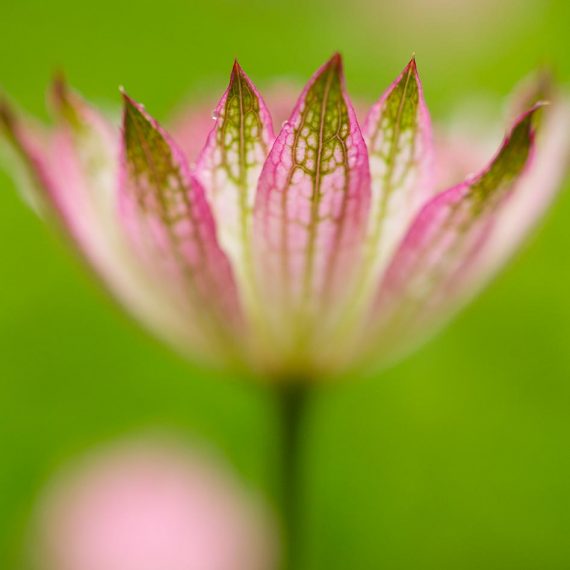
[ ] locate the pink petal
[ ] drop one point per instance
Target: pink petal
(427, 272)
(73, 173)
(230, 165)
(149, 505)
(313, 199)
(398, 134)
(534, 194)
(29, 143)
(164, 209)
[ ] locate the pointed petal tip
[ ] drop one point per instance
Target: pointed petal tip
(131, 109)
(334, 65)
(128, 101)
(530, 113)
(5, 109)
(123, 93)
(129, 104)
(237, 71)
(59, 84)
(7, 117)
(335, 61)
(412, 66)
(59, 94)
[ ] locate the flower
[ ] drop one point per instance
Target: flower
(300, 254)
(150, 505)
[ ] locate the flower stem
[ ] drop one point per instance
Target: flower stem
(292, 407)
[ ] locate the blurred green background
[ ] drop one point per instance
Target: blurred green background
(458, 457)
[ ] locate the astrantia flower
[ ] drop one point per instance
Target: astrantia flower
(301, 254)
(151, 505)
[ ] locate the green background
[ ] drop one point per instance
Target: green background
(457, 458)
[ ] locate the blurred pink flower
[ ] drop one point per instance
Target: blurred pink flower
(146, 506)
(300, 254)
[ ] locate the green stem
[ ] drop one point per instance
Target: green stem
(292, 406)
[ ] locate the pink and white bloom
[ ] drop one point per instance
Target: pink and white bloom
(298, 253)
(150, 505)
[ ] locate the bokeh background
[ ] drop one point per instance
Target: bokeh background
(458, 457)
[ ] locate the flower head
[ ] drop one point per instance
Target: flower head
(302, 253)
(150, 505)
